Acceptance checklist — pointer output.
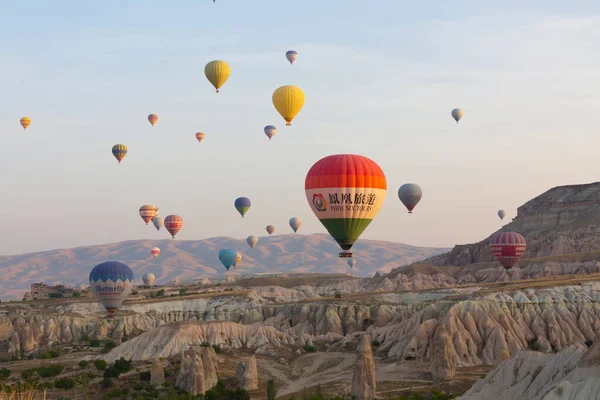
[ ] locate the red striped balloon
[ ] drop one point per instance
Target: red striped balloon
(173, 223)
(508, 248)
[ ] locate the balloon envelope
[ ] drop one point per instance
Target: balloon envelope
(295, 223)
(457, 114)
(270, 229)
(25, 122)
(173, 223)
(238, 259)
(155, 251)
(252, 241)
(147, 212)
(217, 72)
(199, 136)
(227, 257)
(291, 56)
(270, 131)
(242, 204)
(410, 194)
(158, 223)
(345, 192)
(351, 262)
(148, 278)
(501, 214)
(153, 118)
(288, 101)
(119, 151)
(508, 248)
(112, 282)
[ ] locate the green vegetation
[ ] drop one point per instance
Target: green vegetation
(161, 293)
(183, 292)
(589, 343)
(82, 364)
(46, 371)
(55, 296)
(216, 348)
(375, 343)
(65, 383)
(271, 390)
(310, 349)
(134, 292)
(120, 366)
(49, 354)
(433, 395)
(76, 294)
(145, 376)
(220, 392)
(337, 295)
(94, 342)
(4, 373)
(533, 345)
(106, 383)
(100, 365)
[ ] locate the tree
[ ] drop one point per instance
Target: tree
(100, 365)
(271, 391)
(83, 364)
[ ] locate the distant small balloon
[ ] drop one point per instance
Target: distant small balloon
(158, 223)
(502, 214)
(147, 212)
(457, 114)
(252, 241)
(351, 262)
(155, 251)
(242, 204)
(270, 131)
(410, 194)
(148, 278)
(25, 122)
(270, 229)
(295, 223)
(173, 224)
(291, 56)
(238, 260)
(153, 118)
(199, 136)
(119, 151)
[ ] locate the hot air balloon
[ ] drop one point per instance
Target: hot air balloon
(291, 56)
(508, 247)
(270, 229)
(345, 191)
(147, 212)
(112, 282)
(119, 151)
(295, 223)
(288, 100)
(238, 259)
(227, 257)
(158, 223)
(252, 241)
(148, 278)
(156, 212)
(501, 214)
(410, 194)
(242, 204)
(217, 72)
(457, 114)
(270, 131)
(155, 251)
(153, 118)
(199, 136)
(173, 223)
(25, 122)
(351, 262)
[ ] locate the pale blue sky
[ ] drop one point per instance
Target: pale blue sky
(380, 79)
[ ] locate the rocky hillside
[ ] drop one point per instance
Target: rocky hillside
(189, 260)
(564, 220)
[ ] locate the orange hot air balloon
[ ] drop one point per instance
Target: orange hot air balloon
(25, 122)
(200, 136)
(345, 191)
(147, 212)
(155, 251)
(173, 223)
(153, 118)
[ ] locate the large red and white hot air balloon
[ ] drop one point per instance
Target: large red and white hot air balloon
(508, 248)
(173, 224)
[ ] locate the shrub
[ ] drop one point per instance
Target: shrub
(183, 292)
(49, 354)
(4, 373)
(76, 294)
(533, 345)
(82, 364)
(106, 383)
(145, 376)
(337, 295)
(123, 365)
(161, 293)
(167, 374)
(95, 343)
(100, 365)
(221, 392)
(85, 338)
(50, 370)
(589, 343)
(115, 393)
(375, 343)
(109, 345)
(271, 391)
(152, 295)
(55, 296)
(217, 348)
(26, 374)
(134, 292)
(65, 383)
(310, 349)
(112, 372)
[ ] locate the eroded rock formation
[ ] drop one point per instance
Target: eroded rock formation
(247, 374)
(197, 373)
(363, 378)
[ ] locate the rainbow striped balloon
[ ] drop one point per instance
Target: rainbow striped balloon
(345, 192)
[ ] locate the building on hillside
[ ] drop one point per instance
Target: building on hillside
(42, 291)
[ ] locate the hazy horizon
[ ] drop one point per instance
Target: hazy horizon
(380, 80)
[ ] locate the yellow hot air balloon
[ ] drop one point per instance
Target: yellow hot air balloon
(288, 100)
(25, 122)
(217, 72)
